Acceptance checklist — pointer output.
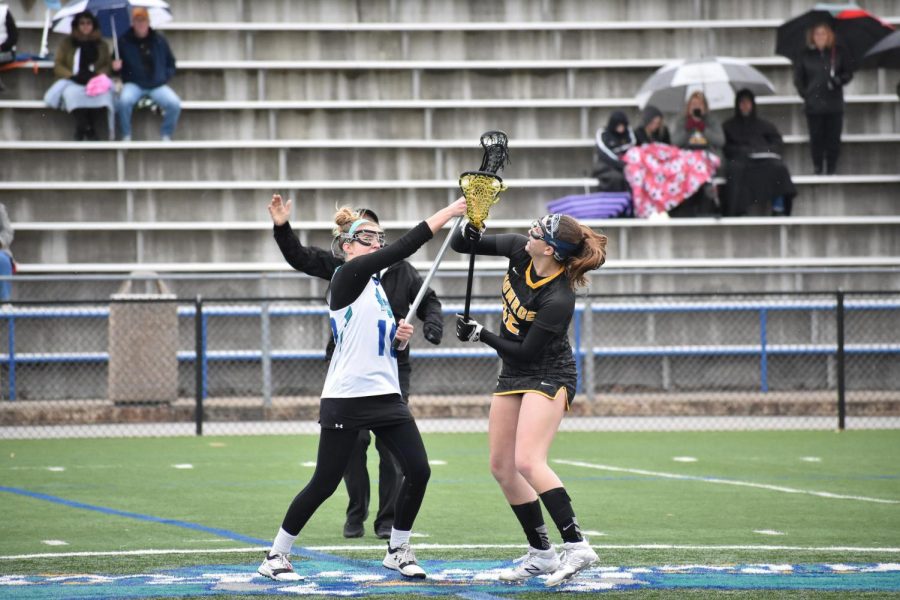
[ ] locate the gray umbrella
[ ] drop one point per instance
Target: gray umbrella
(717, 77)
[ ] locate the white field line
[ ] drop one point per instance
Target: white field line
(747, 547)
(762, 486)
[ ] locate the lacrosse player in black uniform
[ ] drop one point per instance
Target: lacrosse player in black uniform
(537, 379)
(401, 283)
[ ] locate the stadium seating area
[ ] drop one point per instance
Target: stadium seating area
(381, 103)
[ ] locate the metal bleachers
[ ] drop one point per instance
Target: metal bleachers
(384, 100)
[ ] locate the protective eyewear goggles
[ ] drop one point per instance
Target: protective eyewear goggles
(366, 237)
(546, 229)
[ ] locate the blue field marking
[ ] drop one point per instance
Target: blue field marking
(469, 579)
(225, 533)
(131, 515)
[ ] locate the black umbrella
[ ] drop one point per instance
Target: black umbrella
(855, 30)
(885, 53)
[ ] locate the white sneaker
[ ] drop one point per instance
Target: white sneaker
(574, 558)
(278, 567)
(403, 559)
(536, 562)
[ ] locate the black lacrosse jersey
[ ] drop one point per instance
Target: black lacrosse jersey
(528, 301)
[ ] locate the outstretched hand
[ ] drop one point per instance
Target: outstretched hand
(280, 211)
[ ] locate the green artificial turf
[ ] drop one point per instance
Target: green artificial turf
(244, 484)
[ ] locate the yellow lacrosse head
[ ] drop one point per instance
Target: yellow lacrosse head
(482, 191)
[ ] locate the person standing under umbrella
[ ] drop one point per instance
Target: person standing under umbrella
(820, 74)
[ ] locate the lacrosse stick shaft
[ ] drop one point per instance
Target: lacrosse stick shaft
(469, 285)
(398, 345)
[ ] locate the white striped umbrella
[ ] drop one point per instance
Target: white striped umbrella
(114, 15)
(717, 77)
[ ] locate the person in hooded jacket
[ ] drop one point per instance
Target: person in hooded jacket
(758, 182)
(612, 143)
(820, 74)
(652, 127)
(80, 57)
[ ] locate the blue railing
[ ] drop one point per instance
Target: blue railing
(764, 349)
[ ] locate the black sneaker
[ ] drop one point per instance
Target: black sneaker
(353, 530)
(383, 532)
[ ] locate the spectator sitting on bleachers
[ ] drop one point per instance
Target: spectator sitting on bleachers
(9, 35)
(697, 129)
(7, 264)
(758, 183)
(146, 65)
(612, 142)
(83, 86)
(652, 127)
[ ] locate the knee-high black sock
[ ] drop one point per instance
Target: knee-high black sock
(559, 505)
(532, 521)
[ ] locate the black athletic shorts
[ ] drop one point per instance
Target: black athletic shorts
(508, 385)
(365, 412)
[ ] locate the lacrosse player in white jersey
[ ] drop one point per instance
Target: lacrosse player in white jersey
(362, 389)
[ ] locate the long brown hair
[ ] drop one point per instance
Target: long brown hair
(590, 254)
(812, 30)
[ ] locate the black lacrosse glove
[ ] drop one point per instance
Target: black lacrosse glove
(433, 332)
(472, 233)
(468, 330)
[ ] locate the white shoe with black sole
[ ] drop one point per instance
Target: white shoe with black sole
(279, 568)
(536, 562)
(574, 558)
(403, 559)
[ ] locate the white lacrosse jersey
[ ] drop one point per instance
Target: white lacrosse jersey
(364, 361)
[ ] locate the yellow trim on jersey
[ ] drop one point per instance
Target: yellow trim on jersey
(540, 393)
(539, 282)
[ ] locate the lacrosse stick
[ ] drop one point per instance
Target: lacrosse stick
(482, 190)
(398, 345)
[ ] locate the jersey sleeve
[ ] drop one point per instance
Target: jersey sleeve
(555, 313)
(502, 244)
(310, 260)
(351, 279)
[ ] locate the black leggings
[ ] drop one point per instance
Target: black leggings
(335, 447)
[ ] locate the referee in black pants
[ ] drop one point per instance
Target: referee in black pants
(401, 282)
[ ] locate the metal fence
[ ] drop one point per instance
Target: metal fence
(156, 365)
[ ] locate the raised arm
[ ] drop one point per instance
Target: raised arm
(503, 244)
(349, 282)
(310, 260)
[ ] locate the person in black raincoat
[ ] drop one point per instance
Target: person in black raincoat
(612, 143)
(820, 74)
(758, 182)
(652, 127)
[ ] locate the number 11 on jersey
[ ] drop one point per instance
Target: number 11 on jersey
(385, 339)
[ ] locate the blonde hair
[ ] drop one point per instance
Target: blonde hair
(590, 254)
(344, 218)
(697, 94)
(812, 31)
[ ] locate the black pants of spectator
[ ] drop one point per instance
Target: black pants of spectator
(84, 123)
(335, 447)
(825, 140)
(390, 477)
